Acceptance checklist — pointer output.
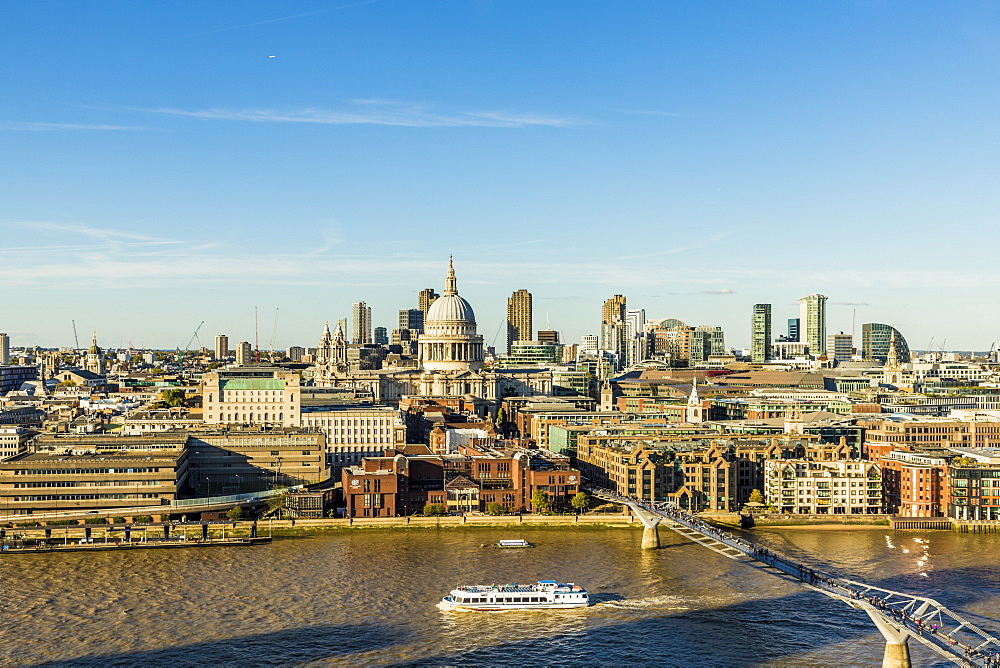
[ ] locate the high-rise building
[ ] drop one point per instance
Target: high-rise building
(794, 329)
(840, 347)
(221, 347)
(411, 319)
(381, 336)
(548, 336)
(244, 353)
(876, 339)
(717, 338)
(590, 342)
(4, 349)
(361, 323)
(760, 336)
(518, 318)
(812, 328)
(425, 299)
(613, 327)
(635, 335)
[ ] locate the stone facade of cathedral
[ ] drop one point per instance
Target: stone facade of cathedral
(450, 361)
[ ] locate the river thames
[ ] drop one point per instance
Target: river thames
(368, 597)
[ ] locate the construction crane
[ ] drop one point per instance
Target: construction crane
(180, 353)
(274, 333)
(75, 337)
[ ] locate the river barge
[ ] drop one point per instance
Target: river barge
(545, 595)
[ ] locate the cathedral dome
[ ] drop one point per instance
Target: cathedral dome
(450, 308)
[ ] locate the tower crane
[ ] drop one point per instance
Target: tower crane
(180, 353)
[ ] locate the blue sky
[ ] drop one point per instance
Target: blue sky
(167, 163)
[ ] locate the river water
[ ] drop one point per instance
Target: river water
(368, 597)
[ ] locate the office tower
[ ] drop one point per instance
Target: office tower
(4, 349)
(840, 347)
(717, 338)
(244, 353)
(760, 336)
(411, 319)
(794, 329)
(381, 336)
(361, 323)
(296, 353)
(613, 327)
(812, 328)
(425, 299)
(518, 318)
(547, 336)
(876, 339)
(221, 347)
(589, 342)
(635, 335)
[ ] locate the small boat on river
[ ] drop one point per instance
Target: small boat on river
(513, 543)
(545, 595)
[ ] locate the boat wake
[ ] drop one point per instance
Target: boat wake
(660, 602)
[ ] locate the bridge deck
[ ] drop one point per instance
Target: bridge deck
(918, 617)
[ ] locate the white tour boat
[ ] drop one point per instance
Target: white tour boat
(545, 595)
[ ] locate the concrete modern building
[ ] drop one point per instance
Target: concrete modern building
(4, 349)
(876, 339)
(590, 342)
(354, 430)
(244, 353)
(613, 327)
(221, 347)
(548, 336)
(760, 335)
(13, 376)
(519, 318)
(81, 478)
(411, 319)
(794, 329)
(812, 314)
(236, 461)
(13, 441)
(361, 323)
(840, 347)
(425, 299)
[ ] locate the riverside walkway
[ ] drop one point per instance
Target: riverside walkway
(898, 616)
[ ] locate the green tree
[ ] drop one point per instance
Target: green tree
(174, 397)
(142, 519)
(580, 502)
(435, 509)
(756, 497)
(235, 513)
(540, 500)
(494, 508)
(277, 504)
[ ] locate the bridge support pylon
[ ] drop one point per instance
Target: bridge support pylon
(650, 531)
(897, 652)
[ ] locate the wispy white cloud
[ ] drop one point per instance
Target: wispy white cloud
(715, 238)
(850, 303)
(374, 112)
(723, 291)
(25, 126)
(652, 112)
(288, 18)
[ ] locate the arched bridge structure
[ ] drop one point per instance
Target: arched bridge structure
(898, 616)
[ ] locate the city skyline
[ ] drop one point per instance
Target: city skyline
(204, 160)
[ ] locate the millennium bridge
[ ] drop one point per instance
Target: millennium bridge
(898, 616)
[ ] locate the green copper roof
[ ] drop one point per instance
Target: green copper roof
(253, 384)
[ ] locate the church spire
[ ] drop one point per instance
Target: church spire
(450, 287)
(693, 400)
